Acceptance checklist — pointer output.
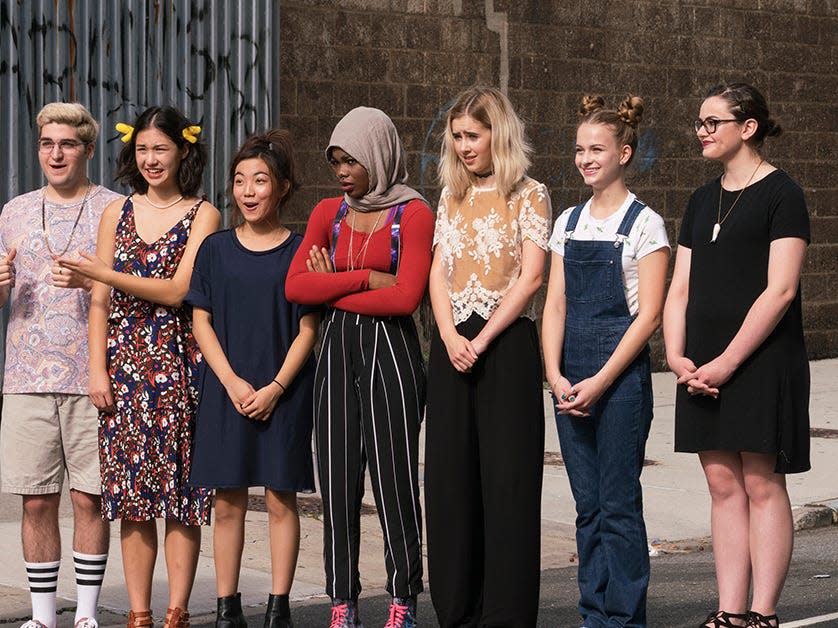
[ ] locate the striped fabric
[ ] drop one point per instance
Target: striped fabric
(43, 577)
(368, 407)
(90, 568)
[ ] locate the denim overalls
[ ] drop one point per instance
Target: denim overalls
(604, 453)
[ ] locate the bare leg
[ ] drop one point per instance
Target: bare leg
(228, 539)
(39, 528)
(771, 530)
(730, 527)
(183, 543)
(90, 531)
(139, 552)
(284, 529)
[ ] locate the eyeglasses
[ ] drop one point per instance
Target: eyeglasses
(65, 146)
(710, 124)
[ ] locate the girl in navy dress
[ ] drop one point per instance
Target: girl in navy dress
(255, 412)
(604, 301)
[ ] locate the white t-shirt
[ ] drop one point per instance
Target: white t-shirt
(647, 234)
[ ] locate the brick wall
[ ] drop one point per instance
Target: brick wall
(411, 57)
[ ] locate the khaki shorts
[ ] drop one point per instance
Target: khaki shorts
(44, 434)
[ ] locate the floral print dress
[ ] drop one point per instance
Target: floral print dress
(146, 445)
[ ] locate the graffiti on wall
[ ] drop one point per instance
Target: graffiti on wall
(118, 59)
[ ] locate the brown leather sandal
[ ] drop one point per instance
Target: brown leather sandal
(140, 619)
(176, 618)
(723, 619)
(757, 620)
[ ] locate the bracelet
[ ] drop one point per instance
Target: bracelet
(278, 384)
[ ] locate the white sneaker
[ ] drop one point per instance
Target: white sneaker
(34, 623)
(86, 622)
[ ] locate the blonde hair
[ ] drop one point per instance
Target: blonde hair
(623, 120)
(510, 150)
(72, 114)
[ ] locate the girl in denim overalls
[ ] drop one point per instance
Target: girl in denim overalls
(604, 301)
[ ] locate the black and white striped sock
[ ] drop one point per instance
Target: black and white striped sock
(43, 582)
(90, 571)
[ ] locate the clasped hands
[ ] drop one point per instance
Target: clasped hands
(704, 380)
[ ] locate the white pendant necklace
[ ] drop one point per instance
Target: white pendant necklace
(719, 220)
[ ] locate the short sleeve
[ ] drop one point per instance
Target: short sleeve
(559, 232)
(685, 235)
(789, 216)
(200, 291)
(535, 214)
(648, 234)
(441, 216)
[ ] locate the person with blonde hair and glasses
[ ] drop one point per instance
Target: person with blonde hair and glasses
(49, 424)
(604, 302)
(485, 414)
(733, 328)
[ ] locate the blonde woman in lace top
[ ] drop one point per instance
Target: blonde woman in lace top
(485, 415)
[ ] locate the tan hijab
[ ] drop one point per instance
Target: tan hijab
(370, 137)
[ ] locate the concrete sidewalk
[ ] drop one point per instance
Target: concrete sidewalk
(676, 502)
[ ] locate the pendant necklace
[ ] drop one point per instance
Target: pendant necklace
(75, 224)
(167, 205)
(719, 220)
(364, 246)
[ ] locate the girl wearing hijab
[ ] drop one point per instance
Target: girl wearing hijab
(366, 255)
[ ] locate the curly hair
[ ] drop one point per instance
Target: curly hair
(623, 120)
(276, 149)
(171, 122)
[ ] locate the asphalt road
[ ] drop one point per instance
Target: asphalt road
(681, 594)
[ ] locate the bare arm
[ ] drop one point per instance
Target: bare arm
(460, 350)
(553, 326)
(99, 386)
(652, 280)
(239, 390)
(513, 303)
(785, 261)
(266, 398)
(170, 292)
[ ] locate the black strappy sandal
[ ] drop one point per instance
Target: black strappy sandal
(723, 619)
(757, 620)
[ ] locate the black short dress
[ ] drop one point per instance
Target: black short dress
(764, 407)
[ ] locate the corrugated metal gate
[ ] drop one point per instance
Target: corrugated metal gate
(217, 60)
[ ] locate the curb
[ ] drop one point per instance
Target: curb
(815, 515)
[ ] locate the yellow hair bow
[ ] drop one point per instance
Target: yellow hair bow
(127, 131)
(190, 134)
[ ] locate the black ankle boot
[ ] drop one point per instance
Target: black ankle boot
(229, 614)
(278, 614)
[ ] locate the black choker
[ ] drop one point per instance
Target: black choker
(484, 175)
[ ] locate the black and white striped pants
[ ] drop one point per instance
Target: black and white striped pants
(368, 404)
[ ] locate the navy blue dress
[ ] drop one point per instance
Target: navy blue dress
(244, 291)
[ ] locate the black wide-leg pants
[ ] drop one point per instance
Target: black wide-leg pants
(368, 404)
(484, 454)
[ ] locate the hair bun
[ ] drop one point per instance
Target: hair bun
(591, 104)
(772, 128)
(630, 110)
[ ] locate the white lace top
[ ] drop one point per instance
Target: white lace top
(481, 239)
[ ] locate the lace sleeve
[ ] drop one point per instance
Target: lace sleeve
(535, 214)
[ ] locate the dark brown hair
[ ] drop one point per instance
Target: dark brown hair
(171, 122)
(276, 149)
(745, 103)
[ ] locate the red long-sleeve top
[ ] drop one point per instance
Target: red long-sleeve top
(349, 289)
